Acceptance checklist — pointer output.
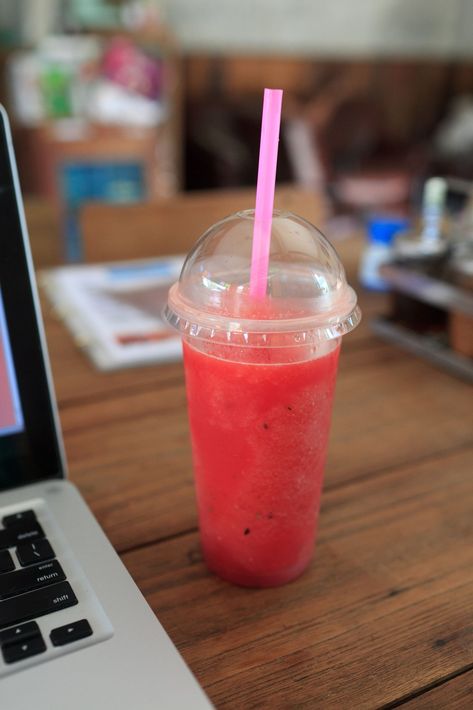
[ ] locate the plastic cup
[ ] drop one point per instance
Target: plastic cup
(260, 378)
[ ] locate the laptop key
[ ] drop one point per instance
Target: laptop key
(13, 652)
(25, 580)
(20, 533)
(18, 633)
(6, 562)
(33, 552)
(32, 604)
(24, 516)
(70, 632)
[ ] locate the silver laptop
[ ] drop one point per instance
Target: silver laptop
(75, 632)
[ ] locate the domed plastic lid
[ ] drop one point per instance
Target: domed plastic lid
(307, 298)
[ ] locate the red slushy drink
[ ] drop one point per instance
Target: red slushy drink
(260, 377)
(259, 439)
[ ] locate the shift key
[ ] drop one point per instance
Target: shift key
(33, 604)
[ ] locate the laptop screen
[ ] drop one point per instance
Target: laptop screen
(11, 417)
(29, 447)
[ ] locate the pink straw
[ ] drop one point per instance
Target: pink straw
(268, 157)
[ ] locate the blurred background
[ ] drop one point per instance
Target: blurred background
(124, 101)
(135, 103)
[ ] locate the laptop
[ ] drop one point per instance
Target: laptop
(75, 631)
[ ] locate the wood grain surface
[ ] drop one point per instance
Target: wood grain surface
(455, 694)
(385, 609)
(384, 615)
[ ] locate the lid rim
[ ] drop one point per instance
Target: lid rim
(174, 314)
(263, 338)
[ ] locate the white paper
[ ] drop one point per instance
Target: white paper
(114, 311)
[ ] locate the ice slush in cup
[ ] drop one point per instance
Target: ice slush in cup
(260, 377)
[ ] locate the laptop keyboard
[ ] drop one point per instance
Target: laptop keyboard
(34, 584)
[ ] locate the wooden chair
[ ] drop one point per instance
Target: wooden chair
(45, 234)
(147, 229)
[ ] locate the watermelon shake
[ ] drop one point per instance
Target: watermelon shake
(260, 379)
(259, 438)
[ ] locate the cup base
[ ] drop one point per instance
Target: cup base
(248, 579)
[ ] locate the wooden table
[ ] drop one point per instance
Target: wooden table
(384, 615)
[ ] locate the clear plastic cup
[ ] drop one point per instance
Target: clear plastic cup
(260, 378)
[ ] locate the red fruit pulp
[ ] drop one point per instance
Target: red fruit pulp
(259, 437)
